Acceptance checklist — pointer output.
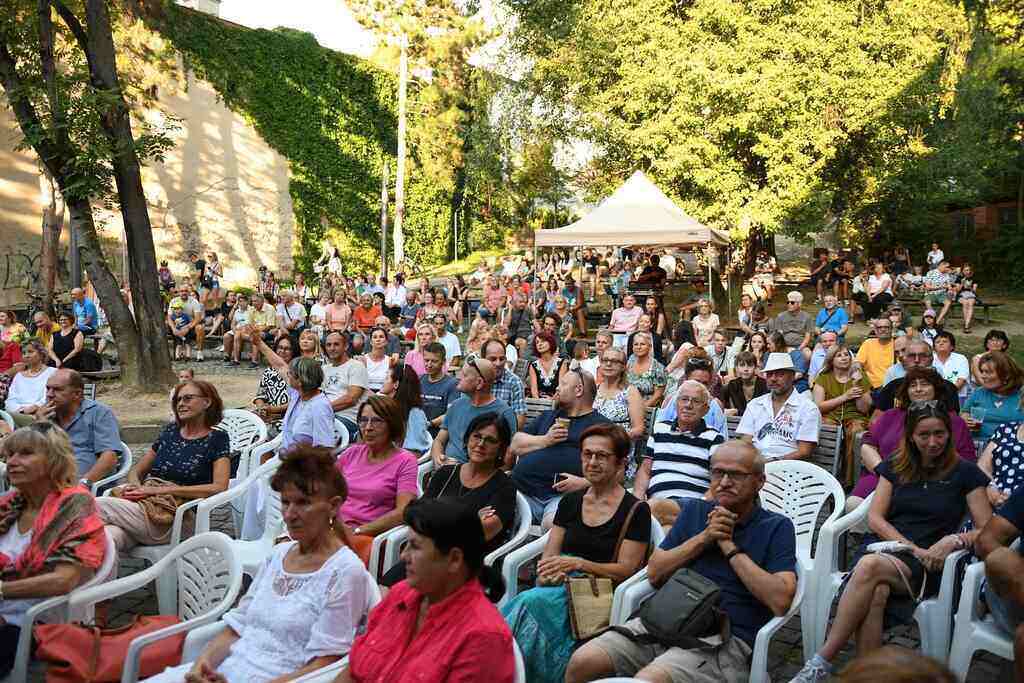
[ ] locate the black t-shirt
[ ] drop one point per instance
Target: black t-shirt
(925, 511)
(535, 472)
(498, 492)
(886, 397)
(733, 396)
(658, 272)
(597, 543)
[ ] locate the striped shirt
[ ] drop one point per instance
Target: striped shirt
(680, 461)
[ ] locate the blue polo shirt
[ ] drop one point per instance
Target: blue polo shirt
(767, 538)
(834, 323)
(83, 310)
(93, 430)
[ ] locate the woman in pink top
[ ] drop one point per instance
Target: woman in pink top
(338, 314)
(381, 476)
(493, 295)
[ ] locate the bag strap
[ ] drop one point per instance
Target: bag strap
(622, 532)
(906, 581)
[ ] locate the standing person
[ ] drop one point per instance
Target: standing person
(86, 315)
(967, 295)
(345, 381)
(998, 399)
(645, 372)
(584, 538)
(923, 493)
(476, 381)
(952, 366)
(202, 279)
(843, 395)
(26, 397)
(782, 424)
(438, 624)
(879, 292)
(704, 323)
(745, 387)
(764, 274)
(439, 389)
(616, 398)
(214, 273)
(877, 355)
(795, 325)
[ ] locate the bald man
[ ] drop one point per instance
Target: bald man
(86, 315)
(476, 381)
(91, 426)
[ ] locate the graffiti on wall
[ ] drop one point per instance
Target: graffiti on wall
(20, 269)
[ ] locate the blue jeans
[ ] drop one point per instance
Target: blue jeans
(541, 508)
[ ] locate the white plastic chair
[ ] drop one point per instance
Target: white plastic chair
(798, 490)
(934, 616)
(397, 537)
(49, 611)
(6, 417)
(251, 554)
(637, 588)
(197, 640)
(124, 463)
(3, 477)
(245, 429)
(341, 435)
(209, 581)
(520, 664)
(516, 559)
(973, 631)
(383, 540)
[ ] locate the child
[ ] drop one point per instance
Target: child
(166, 277)
(186, 375)
(928, 327)
(181, 320)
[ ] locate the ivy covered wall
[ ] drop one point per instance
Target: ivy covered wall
(333, 117)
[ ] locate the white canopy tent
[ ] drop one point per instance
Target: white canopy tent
(636, 214)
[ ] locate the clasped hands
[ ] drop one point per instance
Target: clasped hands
(933, 557)
(721, 523)
(551, 571)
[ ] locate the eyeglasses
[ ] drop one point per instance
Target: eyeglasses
(187, 397)
(600, 456)
(370, 420)
(486, 440)
(690, 401)
(698, 364)
(717, 474)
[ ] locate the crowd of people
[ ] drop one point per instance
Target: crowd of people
(941, 436)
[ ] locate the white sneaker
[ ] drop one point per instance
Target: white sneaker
(816, 669)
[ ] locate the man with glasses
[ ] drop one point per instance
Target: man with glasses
(476, 381)
(700, 370)
(507, 387)
(749, 552)
(877, 354)
(784, 423)
(91, 426)
(345, 381)
(796, 325)
(676, 464)
(917, 354)
(548, 448)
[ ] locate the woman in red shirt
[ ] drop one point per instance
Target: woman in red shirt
(366, 313)
(440, 624)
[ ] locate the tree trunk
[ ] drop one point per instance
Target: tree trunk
(153, 364)
(53, 225)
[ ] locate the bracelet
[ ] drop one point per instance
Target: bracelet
(733, 553)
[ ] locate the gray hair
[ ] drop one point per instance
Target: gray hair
(308, 372)
(692, 383)
(647, 336)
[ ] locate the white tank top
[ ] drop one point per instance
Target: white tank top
(376, 372)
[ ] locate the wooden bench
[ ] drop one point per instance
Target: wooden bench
(986, 307)
(89, 391)
(827, 453)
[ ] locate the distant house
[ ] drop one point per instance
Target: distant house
(982, 222)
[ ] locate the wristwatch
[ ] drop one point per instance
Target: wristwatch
(85, 482)
(733, 553)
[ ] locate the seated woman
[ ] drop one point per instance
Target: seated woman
(995, 340)
(440, 623)
(1001, 461)
(885, 435)
(190, 459)
(403, 385)
(602, 530)
(616, 398)
(271, 400)
(381, 475)
(547, 367)
(51, 539)
(645, 372)
(842, 393)
(66, 344)
(377, 360)
(10, 364)
(998, 399)
(425, 336)
(745, 387)
(923, 493)
(302, 610)
(27, 393)
(646, 324)
(479, 484)
(309, 346)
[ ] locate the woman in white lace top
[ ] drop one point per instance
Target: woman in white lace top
(307, 600)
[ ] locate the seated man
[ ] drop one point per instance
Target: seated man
(190, 306)
(91, 426)
(826, 340)
(653, 274)
(795, 325)
(1004, 570)
(700, 370)
(438, 389)
(783, 424)
(450, 342)
(877, 354)
(549, 446)
(476, 381)
(690, 304)
(832, 317)
(749, 552)
(86, 315)
(916, 353)
(291, 316)
(345, 381)
(676, 464)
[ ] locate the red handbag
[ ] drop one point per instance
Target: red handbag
(76, 653)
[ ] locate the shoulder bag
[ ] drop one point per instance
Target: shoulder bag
(590, 597)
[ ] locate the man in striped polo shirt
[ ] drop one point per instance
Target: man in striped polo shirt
(677, 463)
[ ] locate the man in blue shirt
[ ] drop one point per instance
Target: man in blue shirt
(832, 317)
(86, 315)
(91, 426)
(1004, 568)
(749, 552)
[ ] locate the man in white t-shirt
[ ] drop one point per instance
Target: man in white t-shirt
(452, 349)
(602, 340)
(784, 423)
(291, 315)
(345, 381)
(954, 367)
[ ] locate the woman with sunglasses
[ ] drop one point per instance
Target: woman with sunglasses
(271, 400)
(190, 459)
(645, 372)
(381, 475)
(923, 493)
(403, 385)
(479, 483)
(616, 398)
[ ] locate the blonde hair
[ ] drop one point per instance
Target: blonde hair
(54, 443)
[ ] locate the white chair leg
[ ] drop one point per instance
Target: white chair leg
(808, 614)
(167, 592)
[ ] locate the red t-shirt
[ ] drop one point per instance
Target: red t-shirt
(366, 319)
(463, 639)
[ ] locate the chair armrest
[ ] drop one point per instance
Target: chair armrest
(393, 547)
(21, 658)
(948, 584)
(380, 544)
(828, 537)
(326, 674)
(620, 599)
(119, 473)
(759, 657)
(130, 674)
(970, 594)
(207, 505)
(179, 518)
(199, 638)
(508, 546)
(514, 562)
